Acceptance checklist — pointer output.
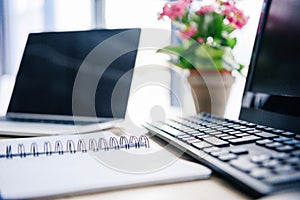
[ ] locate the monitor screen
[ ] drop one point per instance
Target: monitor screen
(99, 60)
(272, 93)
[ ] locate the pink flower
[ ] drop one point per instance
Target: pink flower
(241, 22)
(175, 9)
(235, 16)
(188, 32)
(207, 9)
(200, 40)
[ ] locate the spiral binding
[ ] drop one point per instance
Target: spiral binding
(81, 145)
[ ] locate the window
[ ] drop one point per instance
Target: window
(24, 16)
(20, 17)
(150, 91)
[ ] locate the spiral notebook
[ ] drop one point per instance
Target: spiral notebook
(75, 164)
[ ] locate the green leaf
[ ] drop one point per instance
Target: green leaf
(231, 42)
(216, 26)
(228, 28)
(172, 50)
(185, 18)
(210, 52)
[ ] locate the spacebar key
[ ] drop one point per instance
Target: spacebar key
(244, 140)
(216, 141)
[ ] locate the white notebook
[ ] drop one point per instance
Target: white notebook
(76, 164)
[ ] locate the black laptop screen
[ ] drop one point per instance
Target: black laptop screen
(272, 95)
(53, 61)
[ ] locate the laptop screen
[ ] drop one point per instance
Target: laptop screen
(88, 72)
(272, 93)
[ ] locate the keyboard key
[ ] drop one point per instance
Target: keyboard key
(296, 153)
(224, 129)
(192, 132)
(281, 139)
(238, 127)
(201, 145)
(265, 141)
(259, 158)
(188, 138)
(260, 127)
(253, 131)
(292, 142)
(227, 157)
(293, 161)
(211, 131)
(228, 130)
(211, 149)
(273, 145)
(239, 151)
(283, 178)
(215, 132)
(222, 135)
(219, 153)
(243, 165)
(268, 129)
(193, 141)
(241, 135)
(183, 136)
(198, 134)
(280, 156)
(234, 132)
(260, 173)
(277, 131)
(216, 141)
(202, 136)
(284, 169)
(228, 137)
(247, 129)
(251, 125)
(285, 148)
(270, 163)
(288, 134)
(244, 140)
(266, 135)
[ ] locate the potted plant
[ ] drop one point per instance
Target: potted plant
(205, 32)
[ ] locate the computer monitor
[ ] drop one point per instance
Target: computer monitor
(272, 91)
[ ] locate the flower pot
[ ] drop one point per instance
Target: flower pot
(210, 90)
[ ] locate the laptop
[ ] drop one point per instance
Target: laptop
(259, 153)
(75, 81)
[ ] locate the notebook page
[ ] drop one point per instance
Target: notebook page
(81, 172)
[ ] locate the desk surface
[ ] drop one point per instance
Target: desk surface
(213, 188)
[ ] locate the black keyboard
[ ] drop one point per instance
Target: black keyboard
(259, 159)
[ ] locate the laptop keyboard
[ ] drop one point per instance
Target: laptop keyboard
(49, 121)
(259, 159)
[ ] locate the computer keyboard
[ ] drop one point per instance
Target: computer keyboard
(259, 159)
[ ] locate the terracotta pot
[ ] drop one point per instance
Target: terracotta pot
(211, 90)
